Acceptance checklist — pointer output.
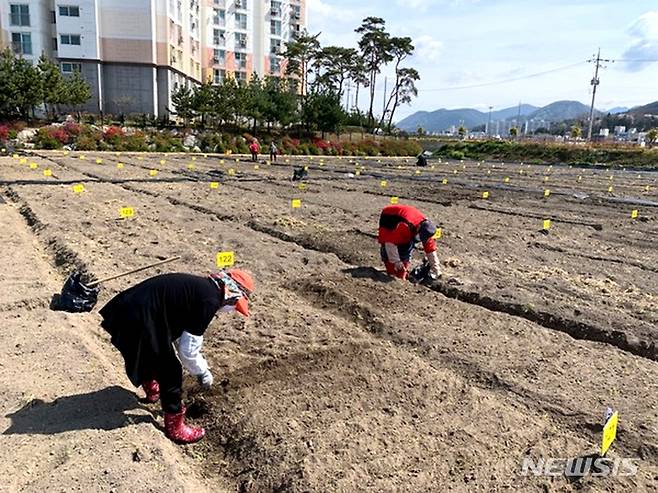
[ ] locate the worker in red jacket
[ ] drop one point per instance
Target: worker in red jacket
(158, 327)
(400, 228)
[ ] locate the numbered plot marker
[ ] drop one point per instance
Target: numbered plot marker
(438, 234)
(634, 214)
(547, 224)
(82, 157)
(357, 173)
(191, 166)
(47, 172)
(120, 166)
(22, 160)
(78, 188)
(454, 171)
(162, 162)
(256, 166)
(33, 166)
(99, 161)
(302, 187)
(444, 181)
(610, 189)
(296, 203)
(305, 168)
(485, 195)
(15, 156)
(214, 184)
(383, 183)
(506, 179)
(547, 193)
(231, 172)
(546, 178)
(580, 178)
(417, 171)
(488, 171)
(225, 259)
(394, 200)
(125, 212)
(153, 172)
(193, 158)
(609, 432)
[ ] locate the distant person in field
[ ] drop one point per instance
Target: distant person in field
(254, 147)
(158, 327)
(273, 151)
(400, 228)
(422, 160)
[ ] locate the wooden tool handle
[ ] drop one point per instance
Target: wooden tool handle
(116, 276)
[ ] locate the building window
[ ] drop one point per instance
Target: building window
(241, 60)
(275, 46)
(21, 43)
(275, 28)
(69, 10)
(241, 21)
(219, 17)
(219, 57)
(240, 41)
(275, 65)
(69, 68)
(54, 44)
(70, 39)
(296, 12)
(219, 37)
(19, 14)
(241, 4)
(218, 75)
(275, 8)
(53, 17)
(241, 76)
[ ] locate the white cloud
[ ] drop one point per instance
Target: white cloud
(428, 48)
(644, 31)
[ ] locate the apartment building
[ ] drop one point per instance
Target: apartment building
(135, 53)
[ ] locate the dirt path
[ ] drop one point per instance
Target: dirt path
(71, 421)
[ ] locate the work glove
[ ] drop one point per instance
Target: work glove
(205, 380)
(435, 265)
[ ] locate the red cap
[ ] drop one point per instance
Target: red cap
(246, 282)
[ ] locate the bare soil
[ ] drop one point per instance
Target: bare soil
(342, 379)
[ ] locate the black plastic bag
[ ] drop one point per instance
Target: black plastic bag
(75, 296)
(299, 174)
(420, 273)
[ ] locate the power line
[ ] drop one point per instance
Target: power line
(505, 81)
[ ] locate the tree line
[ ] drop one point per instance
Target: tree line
(26, 87)
(313, 87)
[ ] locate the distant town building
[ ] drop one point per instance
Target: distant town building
(135, 53)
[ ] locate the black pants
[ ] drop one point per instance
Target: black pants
(169, 374)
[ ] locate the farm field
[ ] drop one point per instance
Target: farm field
(343, 379)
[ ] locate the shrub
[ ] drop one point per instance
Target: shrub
(4, 133)
(73, 129)
(48, 139)
(456, 155)
(113, 135)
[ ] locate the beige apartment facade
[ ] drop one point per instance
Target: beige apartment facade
(136, 53)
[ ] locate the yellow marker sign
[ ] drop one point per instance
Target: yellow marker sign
(305, 168)
(256, 166)
(225, 259)
(237, 159)
(33, 166)
(547, 224)
(438, 234)
(141, 158)
(162, 161)
(193, 158)
(191, 166)
(546, 178)
(547, 193)
(394, 200)
(221, 161)
(417, 171)
(22, 160)
(83, 157)
(609, 432)
(610, 189)
(214, 184)
(383, 183)
(119, 165)
(231, 172)
(302, 187)
(47, 172)
(485, 195)
(454, 171)
(580, 178)
(125, 212)
(15, 156)
(444, 181)
(634, 214)
(79, 188)
(488, 171)
(506, 180)
(153, 172)
(357, 173)
(99, 161)
(296, 203)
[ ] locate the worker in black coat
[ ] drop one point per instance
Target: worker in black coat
(159, 324)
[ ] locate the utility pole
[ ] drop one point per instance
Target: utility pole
(595, 82)
(489, 123)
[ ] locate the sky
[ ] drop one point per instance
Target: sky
(482, 42)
